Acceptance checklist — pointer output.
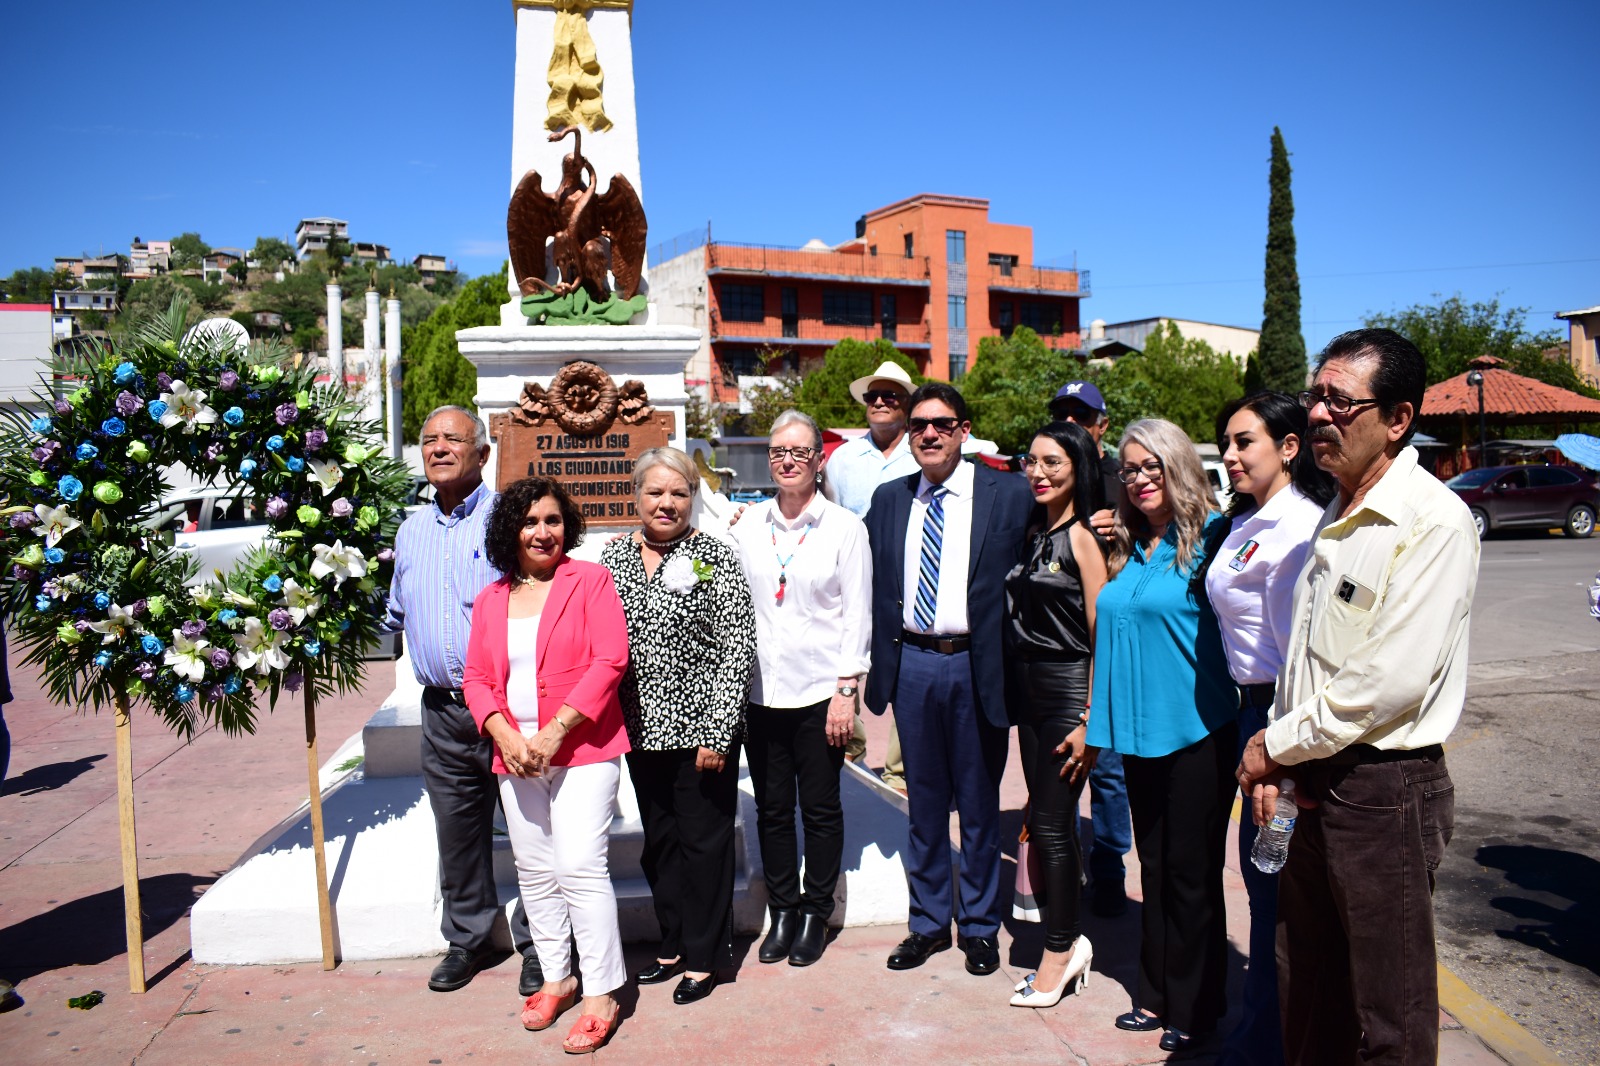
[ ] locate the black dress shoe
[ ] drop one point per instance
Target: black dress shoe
(690, 990)
(456, 969)
(1137, 1021)
(1177, 1040)
(983, 954)
(532, 978)
(809, 942)
(915, 949)
(657, 972)
(780, 937)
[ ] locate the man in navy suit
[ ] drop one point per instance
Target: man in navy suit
(942, 542)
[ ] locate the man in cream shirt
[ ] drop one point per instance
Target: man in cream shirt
(1373, 684)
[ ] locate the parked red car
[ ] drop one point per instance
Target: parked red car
(1529, 497)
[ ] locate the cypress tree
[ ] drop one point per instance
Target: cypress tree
(1282, 354)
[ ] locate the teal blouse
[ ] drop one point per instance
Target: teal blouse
(1161, 678)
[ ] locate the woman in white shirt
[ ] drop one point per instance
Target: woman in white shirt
(810, 574)
(1279, 495)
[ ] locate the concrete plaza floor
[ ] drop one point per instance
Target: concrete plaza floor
(200, 805)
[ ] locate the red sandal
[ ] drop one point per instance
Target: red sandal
(589, 1034)
(541, 1009)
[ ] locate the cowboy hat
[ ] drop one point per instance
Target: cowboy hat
(891, 372)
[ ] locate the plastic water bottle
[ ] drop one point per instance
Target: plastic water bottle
(1271, 849)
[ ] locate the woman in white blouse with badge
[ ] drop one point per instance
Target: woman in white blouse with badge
(1279, 495)
(810, 575)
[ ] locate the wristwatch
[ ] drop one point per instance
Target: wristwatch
(846, 690)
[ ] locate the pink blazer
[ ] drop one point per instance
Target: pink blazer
(582, 655)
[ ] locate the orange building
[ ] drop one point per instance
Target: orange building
(931, 274)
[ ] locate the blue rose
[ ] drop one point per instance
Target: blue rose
(41, 424)
(101, 601)
(227, 615)
(157, 408)
(273, 583)
(70, 488)
(296, 465)
(55, 556)
(247, 468)
(233, 416)
(125, 373)
(313, 647)
(42, 602)
(274, 443)
(113, 427)
(184, 692)
(87, 451)
(344, 624)
(232, 685)
(151, 644)
(103, 660)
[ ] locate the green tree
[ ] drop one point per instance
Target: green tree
(272, 253)
(767, 402)
(433, 373)
(34, 285)
(824, 393)
(1182, 380)
(1009, 387)
(210, 296)
(1451, 333)
(240, 272)
(152, 296)
(301, 299)
(1283, 348)
(187, 251)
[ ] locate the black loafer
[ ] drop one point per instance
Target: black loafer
(532, 978)
(455, 970)
(657, 972)
(983, 954)
(915, 949)
(1177, 1040)
(690, 990)
(809, 942)
(1137, 1021)
(775, 948)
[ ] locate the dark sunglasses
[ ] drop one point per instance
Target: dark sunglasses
(888, 396)
(944, 425)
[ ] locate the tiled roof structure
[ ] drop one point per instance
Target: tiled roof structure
(1506, 396)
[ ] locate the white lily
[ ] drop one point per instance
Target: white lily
(301, 602)
(339, 561)
(54, 523)
(119, 620)
(260, 647)
(186, 406)
(326, 473)
(187, 657)
(238, 599)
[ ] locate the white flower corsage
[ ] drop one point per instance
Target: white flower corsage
(681, 574)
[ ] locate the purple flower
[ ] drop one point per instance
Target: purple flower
(215, 692)
(164, 379)
(128, 403)
(316, 439)
(21, 573)
(145, 669)
(276, 507)
(227, 381)
(214, 452)
(81, 625)
(341, 508)
(140, 607)
(286, 413)
(386, 555)
(24, 519)
(220, 659)
(193, 628)
(63, 407)
(293, 681)
(279, 619)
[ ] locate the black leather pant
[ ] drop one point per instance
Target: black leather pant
(1054, 695)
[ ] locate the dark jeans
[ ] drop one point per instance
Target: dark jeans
(463, 791)
(790, 757)
(688, 852)
(1356, 968)
(1051, 697)
(1108, 816)
(1180, 804)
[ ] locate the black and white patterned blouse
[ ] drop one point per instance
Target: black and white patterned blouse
(691, 644)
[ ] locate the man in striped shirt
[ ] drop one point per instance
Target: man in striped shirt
(439, 569)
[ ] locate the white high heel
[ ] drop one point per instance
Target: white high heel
(1075, 977)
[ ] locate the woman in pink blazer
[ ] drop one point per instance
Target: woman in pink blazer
(549, 645)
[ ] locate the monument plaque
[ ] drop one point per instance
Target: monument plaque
(585, 432)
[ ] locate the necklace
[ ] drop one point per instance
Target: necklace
(664, 546)
(519, 580)
(783, 562)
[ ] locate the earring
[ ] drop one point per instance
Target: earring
(1286, 462)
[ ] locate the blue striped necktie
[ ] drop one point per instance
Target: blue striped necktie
(928, 570)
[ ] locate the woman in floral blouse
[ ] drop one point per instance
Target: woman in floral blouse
(691, 638)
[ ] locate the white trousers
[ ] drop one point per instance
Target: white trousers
(560, 830)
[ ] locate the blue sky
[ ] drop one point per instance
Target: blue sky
(1437, 147)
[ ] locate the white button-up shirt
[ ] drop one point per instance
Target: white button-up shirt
(950, 614)
(857, 467)
(1378, 652)
(1251, 584)
(822, 630)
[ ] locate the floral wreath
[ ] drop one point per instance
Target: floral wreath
(108, 608)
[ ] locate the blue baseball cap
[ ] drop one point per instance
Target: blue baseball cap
(1082, 392)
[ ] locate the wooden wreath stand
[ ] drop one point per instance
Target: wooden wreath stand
(324, 906)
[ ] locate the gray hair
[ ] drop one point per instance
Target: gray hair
(671, 458)
(791, 417)
(480, 433)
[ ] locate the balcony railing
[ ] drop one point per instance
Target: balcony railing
(1039, 279)
(779, 329)
(765, 259)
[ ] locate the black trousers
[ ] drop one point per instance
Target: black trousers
(790, 758)
(1051, 697)
(688, 852)
(463, 791)
(1180, 804)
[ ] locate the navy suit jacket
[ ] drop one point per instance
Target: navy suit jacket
(1001, 507)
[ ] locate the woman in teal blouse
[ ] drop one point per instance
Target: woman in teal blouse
(1164, 700)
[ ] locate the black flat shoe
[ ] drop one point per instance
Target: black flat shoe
(983, 954)
(532, 978)
(915, 949)
(455, 970)
(1177, 1040)
(809, 942)
(658, 972)
(775, 948)
(1137, 1021)
(690, 990)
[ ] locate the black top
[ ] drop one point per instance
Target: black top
(1110, 487)
(1045, 612)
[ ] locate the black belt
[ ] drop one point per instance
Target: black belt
(453, 694)
(1258, 695)
(943, 645)
(1361, 754)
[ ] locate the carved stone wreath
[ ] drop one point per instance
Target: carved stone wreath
(583, 400)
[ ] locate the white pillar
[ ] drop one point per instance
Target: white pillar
(335, 334)
(391, 336)
(369, 331)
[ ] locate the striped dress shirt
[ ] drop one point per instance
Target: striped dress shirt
(439, 569)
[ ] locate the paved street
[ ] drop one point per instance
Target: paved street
(1518, 895)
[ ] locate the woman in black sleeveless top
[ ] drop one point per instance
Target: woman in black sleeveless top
(1050, 598)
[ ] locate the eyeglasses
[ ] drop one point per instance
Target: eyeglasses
(1336, 404)
(944, 425)
(888, 397)
(799, 454)
(1150, 468)
(1050, 464)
